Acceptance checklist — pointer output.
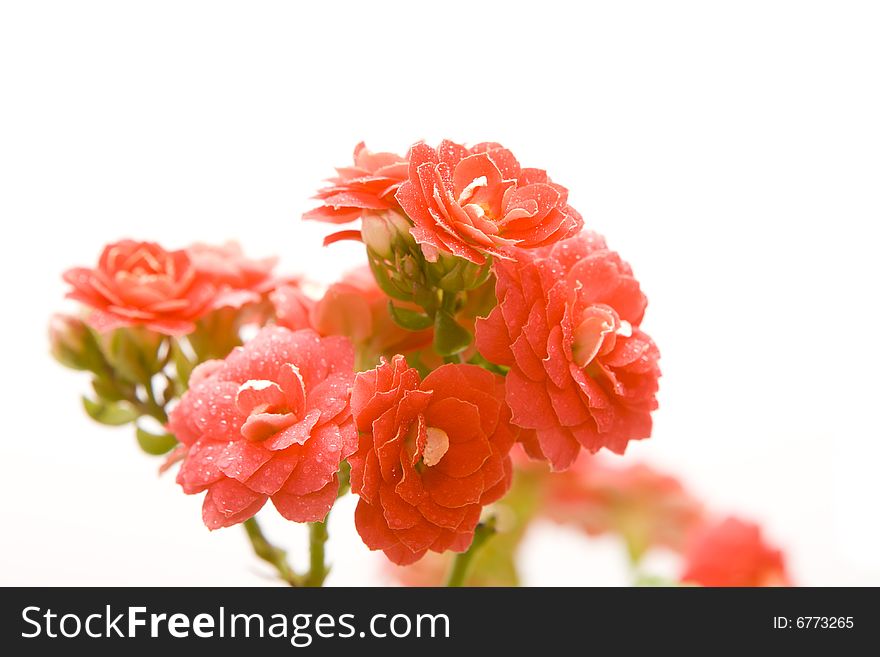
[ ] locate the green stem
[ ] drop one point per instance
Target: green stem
(364, 359)
(269, 553)
(152, 407)
(317, 567)
(463, 561)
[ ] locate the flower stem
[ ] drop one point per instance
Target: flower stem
(152, 407)
(463, 561)
(317, 568)
(269, 553)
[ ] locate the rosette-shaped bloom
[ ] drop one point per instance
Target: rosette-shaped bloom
(645, 507)
(473, 202)
(582, 373)
(431, 454)
(272, 420)
(733, 553)
(368, 185)
(140, 283)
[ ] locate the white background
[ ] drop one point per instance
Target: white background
(729, 150)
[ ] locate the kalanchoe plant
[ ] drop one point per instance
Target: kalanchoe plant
(485, 327)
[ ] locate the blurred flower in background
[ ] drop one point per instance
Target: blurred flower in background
(733, 552)
(646, 508)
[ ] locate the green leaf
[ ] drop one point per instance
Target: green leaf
(108, 390)
(155, 443)
(112, 414)
(409, 319)
(95, 360)
(449, 336)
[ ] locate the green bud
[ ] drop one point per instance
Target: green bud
(410, 267)
(403, 278)
(454, 274)
(385, 233)
(73, 344)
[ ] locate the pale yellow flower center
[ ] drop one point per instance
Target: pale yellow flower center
(436, 446)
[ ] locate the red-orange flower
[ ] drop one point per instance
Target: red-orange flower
(645, 507)
(271, 421)
(358, 308)
(140, 283)
(292, 306)
(733, 553)
(228, 267)
(354, 307)
(368, 185)
(582, 372)
(431, 454)
(474, 202)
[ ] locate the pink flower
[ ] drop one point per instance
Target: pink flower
(228, 268)
(733, 553)
(292, 306)
(474, 202)
(358, 308)
(354, 307)
(140, 283)
(369, 185)
(647, 508)
(272, 420)
(431, 454)
(582, 373)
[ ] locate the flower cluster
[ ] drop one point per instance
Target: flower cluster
(485, 316)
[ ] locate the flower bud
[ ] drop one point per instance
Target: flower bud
(73, 345)
(395, 259)
(386, 232)
(377, 235)
(454, 274)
